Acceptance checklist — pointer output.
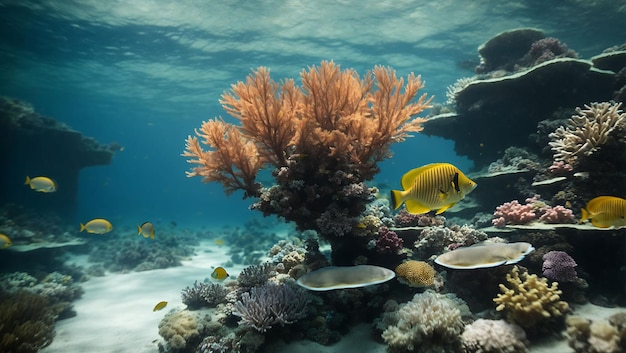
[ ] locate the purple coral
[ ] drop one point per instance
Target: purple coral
(270, 304)
(546, 49)
(559, 266)
(388, 241)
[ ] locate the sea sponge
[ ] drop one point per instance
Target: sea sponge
(180, 330)
(416, 273)
(530, 300)
(431, 322)
(494, 336)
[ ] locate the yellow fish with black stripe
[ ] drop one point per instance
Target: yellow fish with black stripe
(436, 186)
(605, 211)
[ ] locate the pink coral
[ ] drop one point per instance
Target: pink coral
(513, 213)
(560, 168)
(557, 214)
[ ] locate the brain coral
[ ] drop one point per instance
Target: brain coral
(416, 273)
(430, 322)
(530, 300)
(494, 336)
(179, 329)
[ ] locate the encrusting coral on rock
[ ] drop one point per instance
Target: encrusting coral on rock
(529, 300)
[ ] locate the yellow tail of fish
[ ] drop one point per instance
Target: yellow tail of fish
(138, 230)
(27, 182)
(585, 215)
(396, 199)
(82, 227)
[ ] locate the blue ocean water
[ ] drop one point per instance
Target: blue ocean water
(145, 74)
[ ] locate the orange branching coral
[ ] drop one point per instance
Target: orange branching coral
(233, 161)
(336, 120)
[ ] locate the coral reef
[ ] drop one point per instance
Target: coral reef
(270, 304)
(529, 300)
(494, 336)
(26, 322)
(430, 322)
(388, 241)
(599, 336)
(416, 273)
(180, 329)
(586, 132)
(434, 240)
(256, 275)
(534, 209)
(559, 266)
(323, 139)
(406, 219)
(204, 294)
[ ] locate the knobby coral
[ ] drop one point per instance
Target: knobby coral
(529, 300)
(586, 132)
(322, 139)
(270, 304)
(598, 336)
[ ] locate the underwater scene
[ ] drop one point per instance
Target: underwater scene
(313, 176)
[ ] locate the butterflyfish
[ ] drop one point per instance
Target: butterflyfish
(97, 226)
(219, 274)
(159, 306)
(341, 277)
(436, 186)
(5, 241)
(605, 211)
(485, 255)
(41, 184)
(146, 229)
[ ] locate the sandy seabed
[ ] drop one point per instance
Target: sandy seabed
(115, 315)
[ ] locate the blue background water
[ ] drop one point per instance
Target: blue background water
(146, 73)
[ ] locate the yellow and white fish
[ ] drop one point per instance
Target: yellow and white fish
(605, 211)
(219, 274)
(5, 241)
(41, 184)
(436, 186)
(97, 226)
(146, 229)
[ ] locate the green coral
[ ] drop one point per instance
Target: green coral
(26, 322)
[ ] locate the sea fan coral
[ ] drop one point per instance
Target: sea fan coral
(529, 300)
(270, 304)
(323, 139)
(586, 132)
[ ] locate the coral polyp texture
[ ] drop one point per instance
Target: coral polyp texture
(586, 132)
(530, 300)
(416, 273)
(431, 322)
(322, 139)
(494, 336)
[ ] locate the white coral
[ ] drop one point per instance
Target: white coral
(586, 132)
(494, 336)
(454, 89)
(424, 324)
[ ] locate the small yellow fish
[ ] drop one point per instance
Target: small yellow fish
(219, 242)
(5, 241)
(436, 186)
(97, 226)
(219, 274)
(605, 211)
(41, 184)
(159, 306)
(146, 229)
